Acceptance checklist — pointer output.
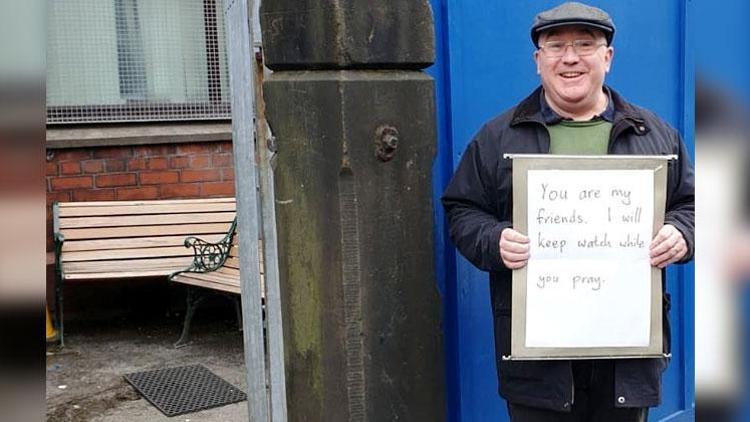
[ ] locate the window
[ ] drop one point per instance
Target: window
(136, 60)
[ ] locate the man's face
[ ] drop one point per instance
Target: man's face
(572, 81)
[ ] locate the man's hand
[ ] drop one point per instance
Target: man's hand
(514, 249)
(668, 246)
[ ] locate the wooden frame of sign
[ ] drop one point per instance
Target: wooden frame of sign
(588, 290)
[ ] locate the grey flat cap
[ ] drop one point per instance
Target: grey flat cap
(573, 13)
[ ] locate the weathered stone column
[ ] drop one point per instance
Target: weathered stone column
(354, 122)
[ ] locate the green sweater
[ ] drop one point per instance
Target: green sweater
(579, 138)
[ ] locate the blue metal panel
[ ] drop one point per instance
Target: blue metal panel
(484, 66)
(444, 254)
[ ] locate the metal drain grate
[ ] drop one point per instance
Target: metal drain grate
(184, 389)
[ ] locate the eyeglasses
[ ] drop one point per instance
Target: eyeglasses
(555, 49)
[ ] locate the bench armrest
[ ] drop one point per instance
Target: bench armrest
(207, 256)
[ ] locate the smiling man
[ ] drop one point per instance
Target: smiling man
(573, 112)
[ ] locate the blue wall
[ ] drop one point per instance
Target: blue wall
(484, 66)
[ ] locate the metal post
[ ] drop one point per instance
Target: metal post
(274, 332)
(238, 15)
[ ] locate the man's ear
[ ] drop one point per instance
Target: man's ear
(536, 60)
(608, 56)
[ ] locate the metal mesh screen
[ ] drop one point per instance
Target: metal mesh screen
(136, 60)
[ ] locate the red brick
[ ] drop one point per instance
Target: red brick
(71, 155)
(160, 163)
(133, 194)
(153, 150)
(53, 197)
(210, 175)
(114, 166)
(179, 162)
(196, 148)
(70, 167)
(93, 166)
(222, 160)
(226, 147)
(65, 183)
(113, 152)
(50, 241)
(119, 179)
(159, 177)
(51, 169)
(227, 173)
(135, 164)
(142, 151)
(94, 195)
(218, 189)
(200, 161)
(182, 190)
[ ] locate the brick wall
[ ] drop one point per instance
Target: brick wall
(176, 171)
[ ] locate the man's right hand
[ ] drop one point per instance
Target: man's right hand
(514, 249)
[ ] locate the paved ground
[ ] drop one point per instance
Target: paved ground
(85, 379)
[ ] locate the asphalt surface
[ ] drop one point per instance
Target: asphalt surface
(85, 379)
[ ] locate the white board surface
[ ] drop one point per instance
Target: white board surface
(588, 279)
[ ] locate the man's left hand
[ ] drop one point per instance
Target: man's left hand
(668, 246)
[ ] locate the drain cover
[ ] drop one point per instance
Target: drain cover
(184, 389)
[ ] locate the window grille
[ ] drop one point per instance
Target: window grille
(136, 60)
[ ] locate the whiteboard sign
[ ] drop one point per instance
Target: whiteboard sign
(588, 289)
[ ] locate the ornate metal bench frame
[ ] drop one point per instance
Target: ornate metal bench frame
(207, 257)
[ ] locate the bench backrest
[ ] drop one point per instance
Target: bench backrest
(135, 238)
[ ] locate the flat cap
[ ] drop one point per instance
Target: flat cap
(573, 13)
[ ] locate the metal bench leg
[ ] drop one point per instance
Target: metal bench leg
(194, 299)
(238, 310)
(59, 310)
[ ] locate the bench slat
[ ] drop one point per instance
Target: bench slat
(110, 269)
(110, 254)
(145, 220)
(144, 202)
(160, 272)
(213, 277)
(228, 271)
(207, 284)
(147, 209)
(235, 273)
(118, 232)
(136, 242)
(232, 262)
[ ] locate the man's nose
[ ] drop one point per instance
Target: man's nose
(570, 55)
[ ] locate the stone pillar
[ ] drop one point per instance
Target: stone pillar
(354, 122)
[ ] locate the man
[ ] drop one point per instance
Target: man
(573, 112)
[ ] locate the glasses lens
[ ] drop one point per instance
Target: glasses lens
(554, 48)
(580, 47)
(583, 47)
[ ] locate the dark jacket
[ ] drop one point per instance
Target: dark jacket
(478, 204)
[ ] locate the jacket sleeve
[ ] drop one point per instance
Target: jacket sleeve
(469, 202)
(680, 210)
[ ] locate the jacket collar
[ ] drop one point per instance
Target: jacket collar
(530, 111)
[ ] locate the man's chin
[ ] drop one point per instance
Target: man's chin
(573, 100)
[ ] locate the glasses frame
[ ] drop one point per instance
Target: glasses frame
(575, 44)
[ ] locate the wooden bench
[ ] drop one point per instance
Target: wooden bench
(124, 239)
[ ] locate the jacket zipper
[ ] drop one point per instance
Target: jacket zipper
(572, 387)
